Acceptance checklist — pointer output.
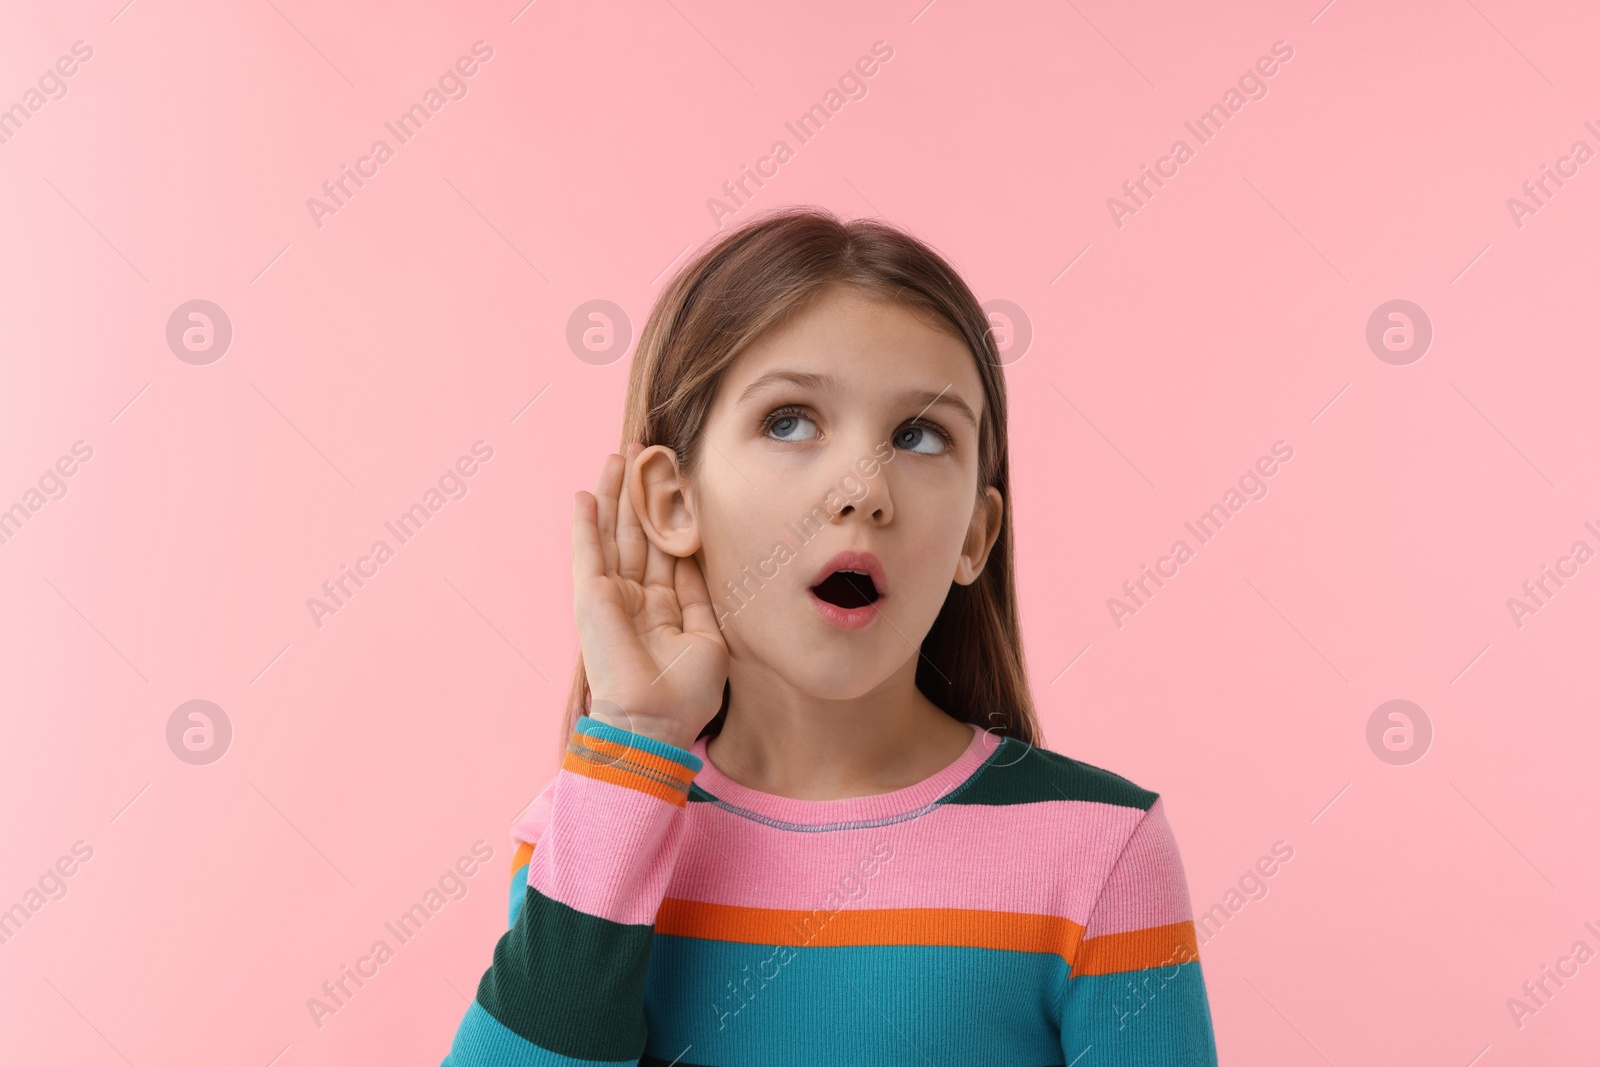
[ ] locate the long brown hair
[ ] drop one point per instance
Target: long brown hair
(760, 276)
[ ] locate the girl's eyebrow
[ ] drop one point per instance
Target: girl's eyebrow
(827, 382)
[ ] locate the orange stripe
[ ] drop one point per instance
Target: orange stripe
(642, 757)
(617, 775)
(959, 927)
(1136, 950)
(520, 857)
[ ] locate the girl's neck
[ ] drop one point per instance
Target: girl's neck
(833, 750)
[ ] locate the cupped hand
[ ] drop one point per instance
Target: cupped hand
(653, 653)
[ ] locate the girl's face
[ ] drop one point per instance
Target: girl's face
(853, 428)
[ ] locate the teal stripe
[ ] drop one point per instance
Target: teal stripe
(482, 1041)
(606, 732)
(719, 1002)
(1158, 1016)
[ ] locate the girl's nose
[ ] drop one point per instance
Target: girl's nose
(875, 502)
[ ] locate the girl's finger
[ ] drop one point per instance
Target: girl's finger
(587, 560)
(694, 599)
(658, 566)
(631, 541)
(605, 493)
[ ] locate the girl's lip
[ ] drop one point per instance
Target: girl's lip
(853, 560)
(844, 618)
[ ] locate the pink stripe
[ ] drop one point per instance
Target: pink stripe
(1147, 886)
(606, 850)
(1045, 858)
(1049, 858)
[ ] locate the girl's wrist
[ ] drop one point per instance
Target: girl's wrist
(673, 733)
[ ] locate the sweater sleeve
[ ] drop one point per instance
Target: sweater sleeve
(1135, 993)
(566, 985)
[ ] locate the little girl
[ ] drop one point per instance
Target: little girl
(803, 560)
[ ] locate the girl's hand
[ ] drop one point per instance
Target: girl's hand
(653, 653)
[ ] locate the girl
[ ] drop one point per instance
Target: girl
(802, 560)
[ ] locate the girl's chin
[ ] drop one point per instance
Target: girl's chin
(818, 672)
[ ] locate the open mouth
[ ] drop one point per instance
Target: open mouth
(847, 589)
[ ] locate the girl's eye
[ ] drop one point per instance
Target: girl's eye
(785, 422)
(921, 434)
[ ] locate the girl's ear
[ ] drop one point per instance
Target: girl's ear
(981, 535)
(656, 493)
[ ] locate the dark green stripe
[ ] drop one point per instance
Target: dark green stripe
(570, 982)
(1017, 773)
(656, 1061)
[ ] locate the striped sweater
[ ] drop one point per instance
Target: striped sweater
(1017, 908)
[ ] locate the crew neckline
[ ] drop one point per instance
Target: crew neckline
(846, 812)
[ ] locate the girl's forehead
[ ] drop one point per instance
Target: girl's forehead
(869, 344)
(848, 315)
(931, 387)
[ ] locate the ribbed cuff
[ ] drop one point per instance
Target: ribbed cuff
(611, 754)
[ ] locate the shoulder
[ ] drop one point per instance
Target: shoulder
(1098, 842)
(1019, 773)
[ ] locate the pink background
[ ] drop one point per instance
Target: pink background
(370, 753)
